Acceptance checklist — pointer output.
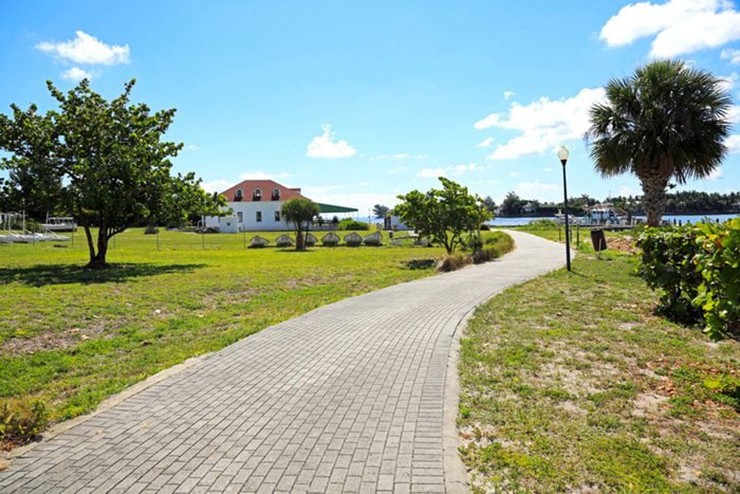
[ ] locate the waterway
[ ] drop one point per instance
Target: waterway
(682, 218)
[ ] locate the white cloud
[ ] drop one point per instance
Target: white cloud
(324, 146)
(733, 115)
(86, 49)
(492, 120)
(340, 196)
(192, 147)
(432, 173)
(216, 185)
(626, 191)
(508, 94)
(458, 170)
(485, 143)
(513, 174)
(454, 171)
(543, 124)
(396, 170)
(548, 169)
(258, 175)
(716, 174)
(732, 55)
(733, 143)
(679, 26)
(538, 190)
(727, 83)
(76, 74)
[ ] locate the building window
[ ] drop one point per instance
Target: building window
(239, 195)
(257, 194)
(240, 217)
(277, 215)
(259, 216)
(276, 194)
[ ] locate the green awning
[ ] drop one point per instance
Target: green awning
(330, 208)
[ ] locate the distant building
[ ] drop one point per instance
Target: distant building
(256, 206)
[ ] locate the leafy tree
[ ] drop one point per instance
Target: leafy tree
(443, 215)
(32, 185)
(183, 200)
(666, 122)
(300, 212)
(380, 211)
(512, 204)
(490, 204)
(107, 158)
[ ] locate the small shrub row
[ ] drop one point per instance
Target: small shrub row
(697, 270)
(350, 224)
(21, 422)
(495, 245)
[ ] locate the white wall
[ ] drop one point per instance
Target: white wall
(248, 210)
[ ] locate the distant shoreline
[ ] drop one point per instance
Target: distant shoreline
(639, 215)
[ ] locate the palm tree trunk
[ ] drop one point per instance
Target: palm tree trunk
(654, 198)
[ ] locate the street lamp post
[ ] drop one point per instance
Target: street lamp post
(563, 157)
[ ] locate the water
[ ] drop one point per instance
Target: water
(683, 218)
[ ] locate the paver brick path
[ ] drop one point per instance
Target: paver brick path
(347, 398)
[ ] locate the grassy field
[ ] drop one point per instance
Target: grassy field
(571, 383)
(71, 337)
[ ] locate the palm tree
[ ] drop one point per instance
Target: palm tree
(666, 122)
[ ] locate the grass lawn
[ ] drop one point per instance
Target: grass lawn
(571, 383)
(71, 337)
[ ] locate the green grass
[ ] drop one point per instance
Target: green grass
(570, 382)
(72, 337)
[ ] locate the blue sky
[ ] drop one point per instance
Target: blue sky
(356, 102)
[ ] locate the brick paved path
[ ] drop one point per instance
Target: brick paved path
(347, 398)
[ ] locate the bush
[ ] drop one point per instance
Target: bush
(485, 227)
(21, 422)
(454, 261)
(697, 269)
(350, 224)
(668, 265)
(718, 261)
(486, 254)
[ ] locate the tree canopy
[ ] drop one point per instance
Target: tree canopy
(666, 122)
(444, 215)
(380, 211)
(102, 161)
(300, 212)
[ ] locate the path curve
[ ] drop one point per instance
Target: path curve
(349, 397)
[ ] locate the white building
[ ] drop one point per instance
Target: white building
(256, 206)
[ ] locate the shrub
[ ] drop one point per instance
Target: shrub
(486, 254)
(500, 241)
(22, 422)
(667, 264)
(350, 224)
(718, 261)
(697, 269)
(485, 227)
(454, 261)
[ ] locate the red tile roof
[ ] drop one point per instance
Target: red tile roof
(248, 188)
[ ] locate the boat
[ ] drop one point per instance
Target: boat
(598, 215)
(606, 214)
(60, 224)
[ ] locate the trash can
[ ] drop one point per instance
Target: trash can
(598, 240)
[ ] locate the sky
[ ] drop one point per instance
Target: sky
(357, 102)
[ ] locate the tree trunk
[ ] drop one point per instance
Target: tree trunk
(97, 260)
(300, 243)
(654, 198)
(90, 245)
